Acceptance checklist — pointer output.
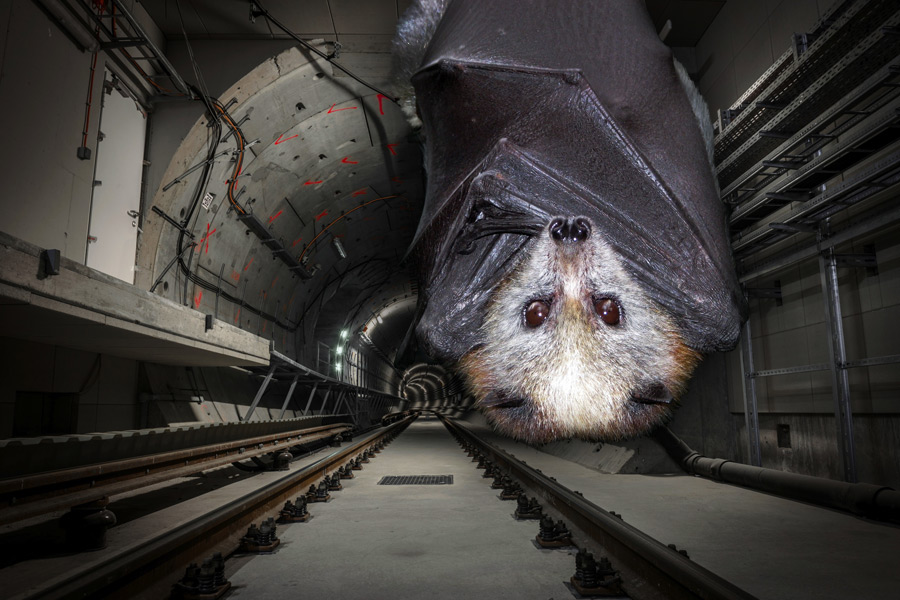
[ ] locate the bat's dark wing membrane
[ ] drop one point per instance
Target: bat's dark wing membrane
(572, 111)
(464, 251)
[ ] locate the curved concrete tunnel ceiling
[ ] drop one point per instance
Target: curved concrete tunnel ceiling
(431, 385)
(324, 159)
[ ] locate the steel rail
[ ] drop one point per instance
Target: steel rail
(32, 495)
(669, 574)
(160, 561)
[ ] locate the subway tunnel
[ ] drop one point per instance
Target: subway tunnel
(208, 243)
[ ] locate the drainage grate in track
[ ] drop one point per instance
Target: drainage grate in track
(416, 480)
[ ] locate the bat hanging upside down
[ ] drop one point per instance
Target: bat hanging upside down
(573, 252)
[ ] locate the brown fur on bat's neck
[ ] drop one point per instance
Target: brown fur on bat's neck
(531, 425)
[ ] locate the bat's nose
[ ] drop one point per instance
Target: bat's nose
(571, 230)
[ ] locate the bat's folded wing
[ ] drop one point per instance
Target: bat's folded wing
(565, 108)
(559, 154)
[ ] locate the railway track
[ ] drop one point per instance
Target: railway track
(644, 567)
(27, 495)
(152, 567)
(638, 566)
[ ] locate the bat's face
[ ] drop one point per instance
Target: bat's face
(574, 346)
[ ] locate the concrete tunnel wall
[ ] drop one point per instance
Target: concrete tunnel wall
(323, 151)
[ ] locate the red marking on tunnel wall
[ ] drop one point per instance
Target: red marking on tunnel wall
(346, 160)
(361, 192)
(237, 317)
(197, 298)
(297, 241)
(235, 275)
(310, 182)
(275, 216)
(391, 148)
(274, 281)
(334, 110)
(281, 141)
(381, 98)
(396, 180)
(205, 238)
(321, 215)
(264, 326)
(249, 263)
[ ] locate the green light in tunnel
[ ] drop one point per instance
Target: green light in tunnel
(344, 334)
(339, 350)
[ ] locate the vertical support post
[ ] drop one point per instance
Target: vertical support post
(751, 411)
(287, 398)
(309, 402)
(840, 382)
(259, 395)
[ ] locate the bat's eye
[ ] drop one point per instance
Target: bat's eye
(536, 313)
(608, 310)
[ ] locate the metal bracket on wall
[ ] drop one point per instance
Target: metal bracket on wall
(283, 369)
(278, 251)
(867, 260)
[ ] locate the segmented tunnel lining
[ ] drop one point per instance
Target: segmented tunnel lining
(416, 480)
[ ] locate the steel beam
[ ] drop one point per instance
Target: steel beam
(790, 370)
(751, 414)
(840, 382)
(259, 394)
(340, 400)
(287, 398)
(312, 393)
(859, 228)
(170, 70)
(325, 401)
